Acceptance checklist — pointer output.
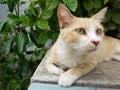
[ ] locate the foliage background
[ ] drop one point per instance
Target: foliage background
(25, 38)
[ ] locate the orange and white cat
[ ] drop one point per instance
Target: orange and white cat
(81, 45)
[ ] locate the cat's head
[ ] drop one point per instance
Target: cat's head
(81, 33)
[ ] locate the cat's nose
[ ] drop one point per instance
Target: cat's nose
(95, 43)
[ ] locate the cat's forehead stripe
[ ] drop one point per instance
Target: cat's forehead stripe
(86, 23)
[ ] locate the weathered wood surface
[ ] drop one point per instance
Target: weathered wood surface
(105, 75)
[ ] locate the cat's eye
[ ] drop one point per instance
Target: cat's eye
(98, 31)
(80, 31)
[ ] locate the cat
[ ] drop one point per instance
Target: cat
(80, 46)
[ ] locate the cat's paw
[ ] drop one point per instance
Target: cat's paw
(55, 70)
(66, 80)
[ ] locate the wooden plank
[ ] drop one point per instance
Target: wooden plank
(41, 86)
(105, 75)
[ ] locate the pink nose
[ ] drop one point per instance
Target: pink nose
(95, 43)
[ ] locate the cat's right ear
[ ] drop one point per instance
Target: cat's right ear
(100, 15)
(64, 16)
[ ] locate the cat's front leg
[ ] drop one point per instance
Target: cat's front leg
(52, 68)
(69, 77)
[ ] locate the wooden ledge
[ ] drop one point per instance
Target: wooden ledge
(105, 75)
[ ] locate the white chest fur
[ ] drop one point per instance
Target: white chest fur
(68, 58)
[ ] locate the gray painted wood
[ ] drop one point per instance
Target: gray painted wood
(105, 75)
(41, 86)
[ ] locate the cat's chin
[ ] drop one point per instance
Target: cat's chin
(92, 50)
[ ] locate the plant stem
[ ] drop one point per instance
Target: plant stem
(18, 10)
(15, 11)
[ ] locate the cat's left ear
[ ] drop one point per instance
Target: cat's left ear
(100, 15)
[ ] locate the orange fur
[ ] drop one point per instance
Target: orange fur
(77, 50)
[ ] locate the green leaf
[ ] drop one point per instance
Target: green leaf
(14, 85)
(97, 3)
(32, 9)
(46, 14)
(25, 20)
(106, 1)
(2, 1)
(15, 20)
(28, 13)
(43, 37)
(25, 71)
(5, 27)
(11, 5)
(88, 4)
(106, 28)
(116, 17)
(12, 16)
(16, 1)
(2, 25)
(54, 36)
(116, 4)
(72, 4)
(112, 25)
(42, 24)
(51, 4)
(33, 1)
(34, 36)
(8, 47)
(21, 41)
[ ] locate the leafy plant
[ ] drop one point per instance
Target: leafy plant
(19, 55)
(25, 38)
(2, 1)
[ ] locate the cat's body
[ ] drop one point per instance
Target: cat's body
(81, 45)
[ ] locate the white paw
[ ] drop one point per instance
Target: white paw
(117, 57)
(55, 70)
(66, 80)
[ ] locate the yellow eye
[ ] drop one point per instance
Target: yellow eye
(80, 31)
(98, 31)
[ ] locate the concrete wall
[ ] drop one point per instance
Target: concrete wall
(4, 10)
